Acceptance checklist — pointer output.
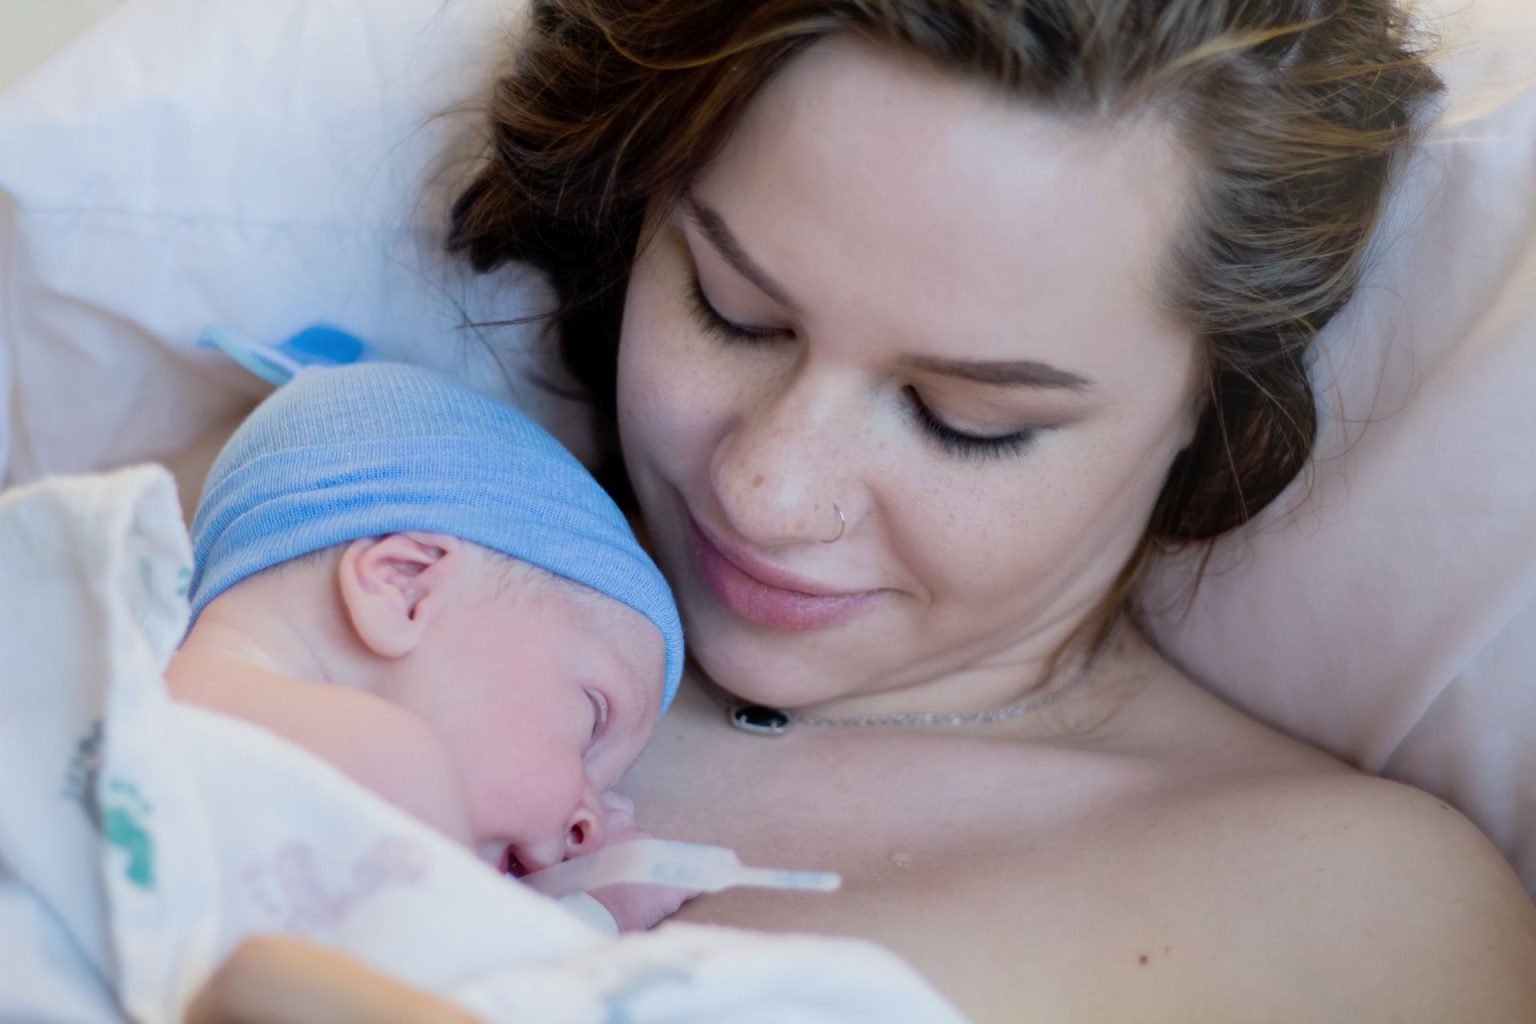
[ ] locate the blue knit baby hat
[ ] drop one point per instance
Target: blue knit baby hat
(359, 450)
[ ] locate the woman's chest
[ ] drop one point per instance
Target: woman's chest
(1006, 906)
(863, 803)
(910, 823)
(985, 867)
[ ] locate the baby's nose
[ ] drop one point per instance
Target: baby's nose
(584, 833)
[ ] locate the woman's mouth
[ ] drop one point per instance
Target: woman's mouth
(767, 596)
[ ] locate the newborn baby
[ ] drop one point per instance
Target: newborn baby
(420, 585)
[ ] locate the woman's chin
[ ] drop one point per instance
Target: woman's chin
(765, 673)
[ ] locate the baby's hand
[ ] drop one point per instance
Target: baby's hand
(634, 906)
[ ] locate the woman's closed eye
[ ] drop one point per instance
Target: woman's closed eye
(717, 324)
(964, 443)
(951, 439)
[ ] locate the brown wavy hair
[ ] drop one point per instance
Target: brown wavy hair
(1294, 112)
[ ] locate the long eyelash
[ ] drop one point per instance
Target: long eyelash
(710, 319)
(968, 446)
(954, 442)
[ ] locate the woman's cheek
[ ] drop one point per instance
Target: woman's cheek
(641, 375)
(662, 377)
(648, 392)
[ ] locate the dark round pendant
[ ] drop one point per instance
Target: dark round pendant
(760, 720)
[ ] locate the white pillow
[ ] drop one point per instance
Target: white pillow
(262, 166)
(1385, 607)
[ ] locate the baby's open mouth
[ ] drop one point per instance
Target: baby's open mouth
(510, 865)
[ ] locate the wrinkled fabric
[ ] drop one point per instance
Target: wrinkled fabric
(141, 838)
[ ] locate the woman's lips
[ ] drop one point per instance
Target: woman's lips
(770, 597)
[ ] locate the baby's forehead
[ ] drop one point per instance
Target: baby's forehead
(612, 631)
(519, 579)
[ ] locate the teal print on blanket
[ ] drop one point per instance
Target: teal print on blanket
(115, 809)
(122, 825)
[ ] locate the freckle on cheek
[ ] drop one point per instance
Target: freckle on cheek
(758, 481)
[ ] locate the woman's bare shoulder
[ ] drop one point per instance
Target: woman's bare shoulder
(1237, 873)
(1318, 896)
(1381, 901)
(1374, 896)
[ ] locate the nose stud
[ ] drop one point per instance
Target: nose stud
(842, 524)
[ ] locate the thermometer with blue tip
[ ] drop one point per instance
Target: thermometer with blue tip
(316, 345)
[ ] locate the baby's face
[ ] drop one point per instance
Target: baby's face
(545, 694)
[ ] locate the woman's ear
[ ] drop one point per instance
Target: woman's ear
(392, 585)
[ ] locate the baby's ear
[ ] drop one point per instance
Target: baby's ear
(392, 585)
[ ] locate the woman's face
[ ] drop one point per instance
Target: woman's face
(936, 309)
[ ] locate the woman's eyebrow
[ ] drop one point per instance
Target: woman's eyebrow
(725, 243)
(1004, 373)
(1025, 373)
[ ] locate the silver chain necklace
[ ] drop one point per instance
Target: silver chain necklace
(763, 720)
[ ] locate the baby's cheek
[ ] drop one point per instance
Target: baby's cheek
(532, 803)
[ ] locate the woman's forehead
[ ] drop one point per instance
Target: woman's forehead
(866, 181)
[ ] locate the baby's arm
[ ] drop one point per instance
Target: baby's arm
(378, 744)
(634, 907)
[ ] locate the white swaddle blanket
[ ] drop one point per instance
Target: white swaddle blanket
(141, 839)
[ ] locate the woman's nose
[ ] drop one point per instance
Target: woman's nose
(779, 474)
